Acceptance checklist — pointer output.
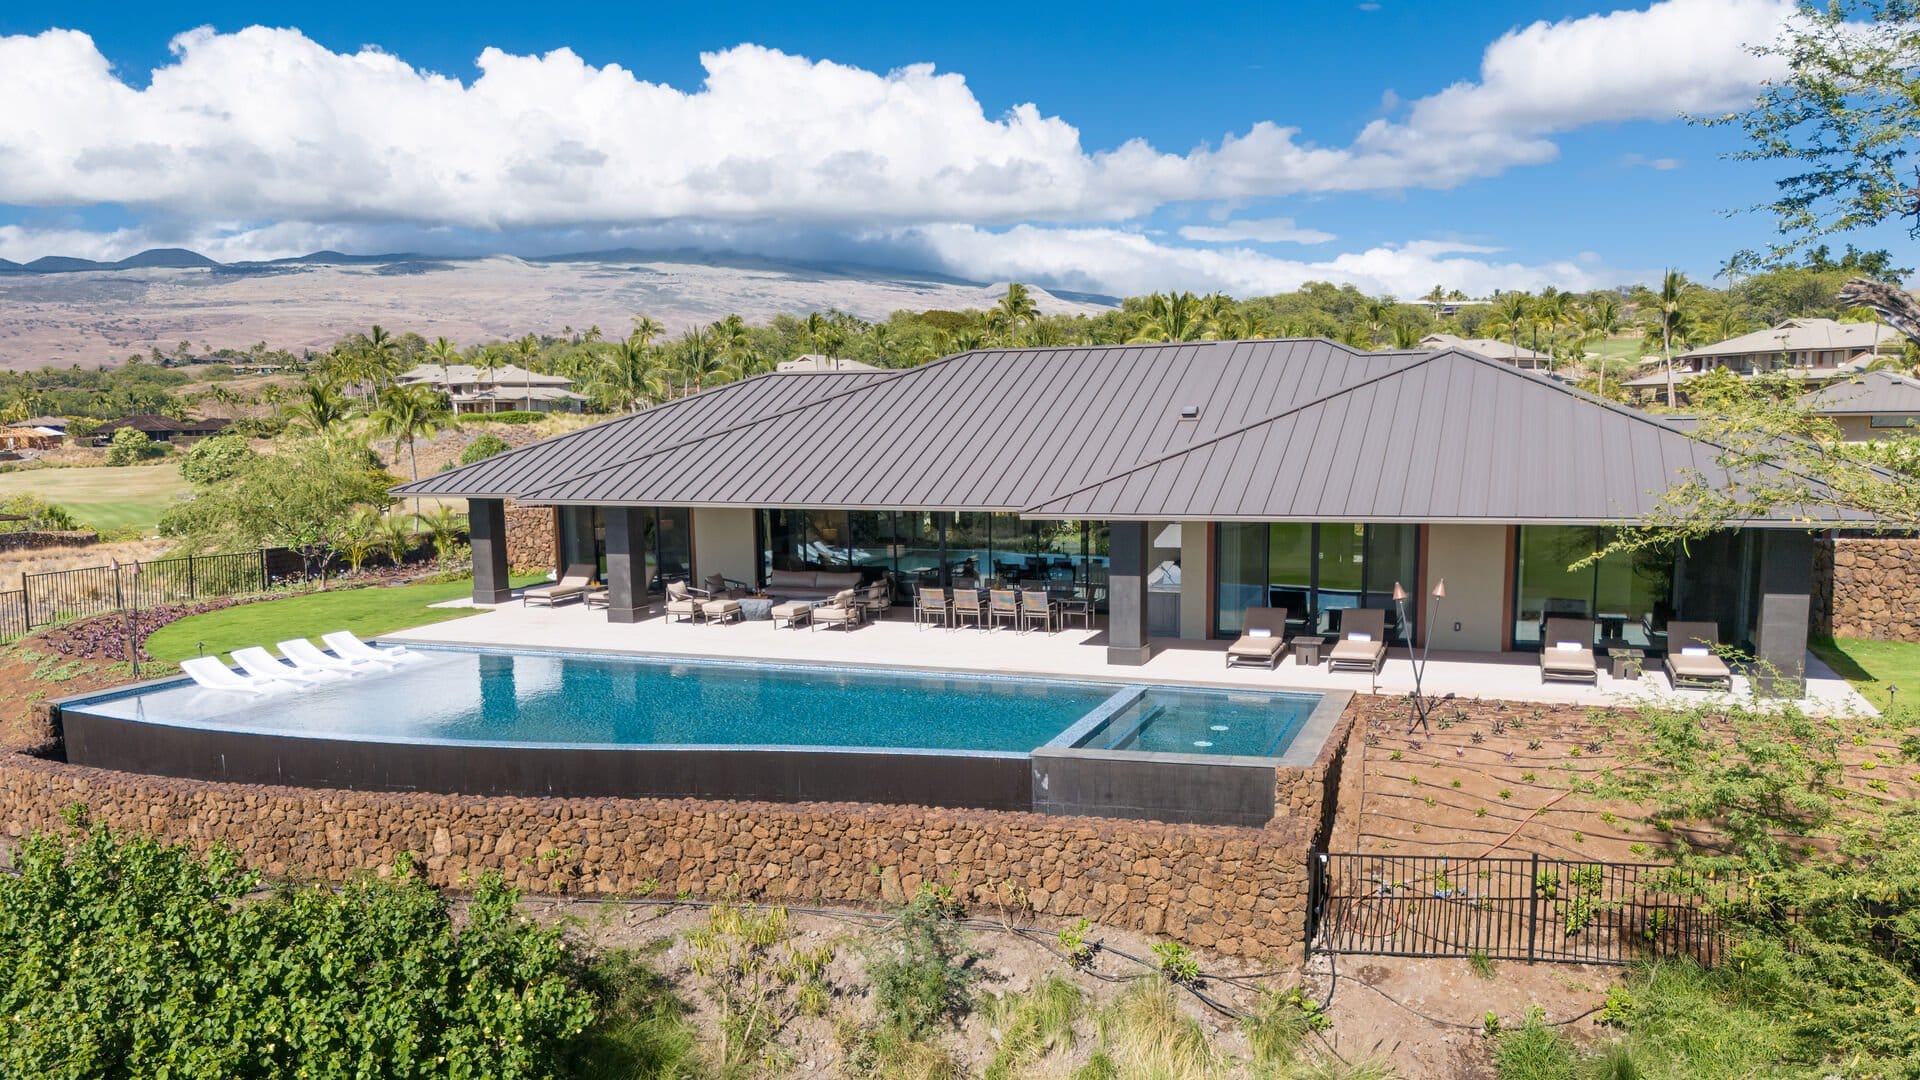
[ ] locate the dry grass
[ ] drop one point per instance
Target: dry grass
(47, 560)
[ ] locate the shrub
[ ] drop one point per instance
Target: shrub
(130, 446)
(1027, 1027)
(210, 461)
(487, 445)
(40, 514)
(257, 427)
(511, 416)
(920, 969)
(128, 957)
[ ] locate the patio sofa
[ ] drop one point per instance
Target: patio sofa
(810, 584)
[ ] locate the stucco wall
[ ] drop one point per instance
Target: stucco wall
(723, 543)
(1196, 560)
(1867, 587)
(1473, 560)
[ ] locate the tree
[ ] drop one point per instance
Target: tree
(300, 497)
(318, 406)
(1169, 317)
(1668, 320)
(484, 447)
(1511, 311)
(1017, 306)
(525, 350)
(445, 353)
(131, 445)
(627, 376)
(408, 413)
(210, 461)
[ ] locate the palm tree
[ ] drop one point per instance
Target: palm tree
(1552, 310)
(646, 329)
(1375, 313)
(1601, 320)
(629, 375)
(445, 353)
(444, 524)
(1670, 320)
(1736, 264)
(1169, 317)
(694, 349)
(408, 412)
(376, 362)
(732, 345)
(1406, 334)
(1018, 306)
(396, 536)
(318, 405)
(526, 349)
(1511, 310)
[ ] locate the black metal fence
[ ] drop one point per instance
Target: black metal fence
(63, 595)
(1513, 908)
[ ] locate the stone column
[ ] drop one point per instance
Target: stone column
(626, 563)
(487, 532)
(1127, 594)
(1786, 586)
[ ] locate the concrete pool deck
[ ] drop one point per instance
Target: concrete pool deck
(1073, 653)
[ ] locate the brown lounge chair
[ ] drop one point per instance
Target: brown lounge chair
(681, 603)
(842, 611)
(1255, 647)
(1363, 641)
(573, 584)
(1571, 664)
(1702, 669)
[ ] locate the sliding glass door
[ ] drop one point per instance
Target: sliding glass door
(1314, 570)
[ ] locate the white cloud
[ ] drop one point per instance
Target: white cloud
(266, 124)
(1658, 164)
(1255, 231)
(1123, 262)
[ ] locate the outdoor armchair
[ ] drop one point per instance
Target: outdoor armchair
(1003, 604)
(1037, 606)
(929, 603)
(843, 610)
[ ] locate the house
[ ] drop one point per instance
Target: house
(1812, 349)
(479, 389)
(160, 428)
(1491, 348)
(1870, 405)
(816, 362)
(1303, 474)
(18, 437)
(48, 425)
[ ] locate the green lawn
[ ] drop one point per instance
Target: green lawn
(1873, 666)
(367, 612)
(104, 498)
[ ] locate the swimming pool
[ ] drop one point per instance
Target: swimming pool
(516, 722)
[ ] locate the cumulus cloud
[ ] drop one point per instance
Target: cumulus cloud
(1255, 231)
(1127, 262)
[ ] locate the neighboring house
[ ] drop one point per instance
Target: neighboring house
(1305, 475)
(160, 428)
(1813, 349)
(1870, 405)
(49, 425)
(476, 389)
(1491, 348)
(26, 437)
(816, 362)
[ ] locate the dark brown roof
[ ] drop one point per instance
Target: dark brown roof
(160, 425)
(1305, 430)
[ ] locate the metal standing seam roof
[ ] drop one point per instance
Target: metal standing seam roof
(1293, 429)
(1868, 392)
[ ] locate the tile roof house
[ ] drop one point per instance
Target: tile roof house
(1304, 474)
(473, 388)
(1813, 349)
(1491, 348)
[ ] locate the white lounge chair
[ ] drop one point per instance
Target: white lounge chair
(306, 656)
(209, 672)
(348, 647)
(262, 664)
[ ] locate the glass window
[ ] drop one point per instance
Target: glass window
(1315, 571)
(872, 543)
(783, 540)
(673, 553)
(919, 549)
(1627, 595)
(1393, 556)
(1342, 563)
(1240, 573)
(969, 549)
(1290, 571)
(1892, 420)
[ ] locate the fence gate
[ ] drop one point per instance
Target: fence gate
(1511, 908)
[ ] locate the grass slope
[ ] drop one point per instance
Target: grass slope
(104, 498)
(366, 612)
(1873, 666)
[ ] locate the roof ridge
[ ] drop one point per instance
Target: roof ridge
(1249, 426)
(887, 377)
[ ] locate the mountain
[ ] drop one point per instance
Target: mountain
(63, 264)
(172, 258)
(8, 266)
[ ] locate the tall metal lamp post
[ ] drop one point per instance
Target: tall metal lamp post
(1422, 705)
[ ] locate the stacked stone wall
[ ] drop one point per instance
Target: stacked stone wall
(533, 537)
(1867, 587)
(36, 539)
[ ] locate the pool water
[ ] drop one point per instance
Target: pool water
(557, 699)
(1180, 721)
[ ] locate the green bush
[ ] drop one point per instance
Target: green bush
(920, 969)
(39, 514)
(257, 427)
(484, 447)
(126, 957)
(511, 416)
(130, 446)
(210, 461)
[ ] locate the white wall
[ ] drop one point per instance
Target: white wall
(1196, 559)
(1473, 560)
(723, 543)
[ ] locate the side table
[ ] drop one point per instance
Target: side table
(1627, 663)
(1306, 650)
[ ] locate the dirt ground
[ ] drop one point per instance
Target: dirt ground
(1424, 1017)
(45, 560)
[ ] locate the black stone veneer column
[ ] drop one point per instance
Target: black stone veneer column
(626, 563)
(1786, 587)
(1127, 594)
(487, 532)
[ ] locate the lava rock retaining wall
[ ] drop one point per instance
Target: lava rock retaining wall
(1867, 587)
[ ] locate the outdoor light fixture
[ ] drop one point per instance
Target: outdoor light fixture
(1422, 705)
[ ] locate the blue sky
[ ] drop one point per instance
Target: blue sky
(1556, 156)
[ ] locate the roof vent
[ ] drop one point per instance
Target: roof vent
(1189, 412)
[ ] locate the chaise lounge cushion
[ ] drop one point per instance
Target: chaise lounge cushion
(1557, 661)
(1264, 640)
